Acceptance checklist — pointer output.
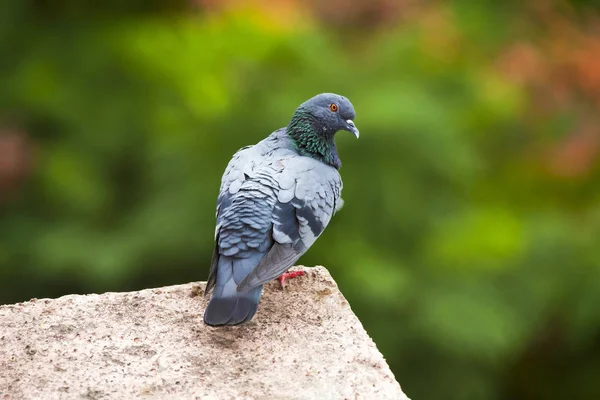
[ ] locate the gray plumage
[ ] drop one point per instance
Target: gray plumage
(275, 200)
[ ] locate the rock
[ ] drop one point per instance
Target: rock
(304, 343)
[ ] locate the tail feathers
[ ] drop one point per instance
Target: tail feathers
(235, 308)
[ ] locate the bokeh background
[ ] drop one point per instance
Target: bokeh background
(469, 244)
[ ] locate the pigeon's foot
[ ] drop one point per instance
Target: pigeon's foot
(289, 275)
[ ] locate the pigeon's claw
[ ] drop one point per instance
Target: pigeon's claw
(289, 275)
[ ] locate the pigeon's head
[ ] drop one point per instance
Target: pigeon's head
(331, 113)
(315, 123)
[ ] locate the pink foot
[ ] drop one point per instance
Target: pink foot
(289, 275)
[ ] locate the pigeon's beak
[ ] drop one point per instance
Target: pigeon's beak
(352, 128)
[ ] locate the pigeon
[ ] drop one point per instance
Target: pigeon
(275, 200)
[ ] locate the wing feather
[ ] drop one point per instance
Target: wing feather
(305, 205)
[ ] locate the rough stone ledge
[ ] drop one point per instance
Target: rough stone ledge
(304, 343)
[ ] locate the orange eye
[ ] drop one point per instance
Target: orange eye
(333, 107)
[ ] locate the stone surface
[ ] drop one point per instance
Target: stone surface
(304, 343)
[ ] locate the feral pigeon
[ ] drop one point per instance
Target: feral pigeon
(276, 198)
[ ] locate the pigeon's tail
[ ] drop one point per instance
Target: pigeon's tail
(232, 310)
(227, 306)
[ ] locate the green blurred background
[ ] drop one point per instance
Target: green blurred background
(469, 244)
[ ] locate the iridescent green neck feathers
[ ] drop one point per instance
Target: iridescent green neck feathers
(312, 139)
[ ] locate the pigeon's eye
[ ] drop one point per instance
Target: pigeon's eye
(333, 107)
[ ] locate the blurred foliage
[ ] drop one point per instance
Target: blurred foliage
(469, 244)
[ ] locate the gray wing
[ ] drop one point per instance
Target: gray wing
(246, 222)
(308, 194)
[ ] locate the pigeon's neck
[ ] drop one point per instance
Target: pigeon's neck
(311, 140)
